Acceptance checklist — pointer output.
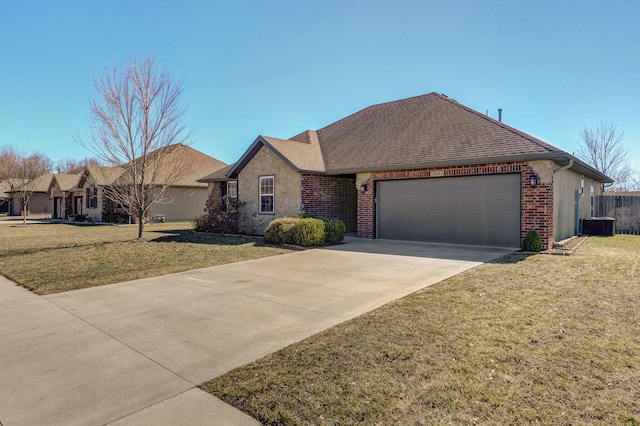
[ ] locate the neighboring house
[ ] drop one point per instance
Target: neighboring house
(184, 200)
(425, 168)
(5, 187)
(39, 203)
(88, 195)
(61, 190)
(187, 196)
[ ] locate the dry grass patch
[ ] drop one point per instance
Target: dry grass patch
(52, 258)
(523, 340)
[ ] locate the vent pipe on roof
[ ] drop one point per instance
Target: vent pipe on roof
(499, 114)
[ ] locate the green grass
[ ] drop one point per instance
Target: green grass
(523, 340)
(50, 258)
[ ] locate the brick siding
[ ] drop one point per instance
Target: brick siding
(68, 205)
(330, 197)
(536, 209)
(536, 203)
(67, 200)
(366, 210)
(215, 191)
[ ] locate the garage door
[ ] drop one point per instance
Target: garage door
(479, 210)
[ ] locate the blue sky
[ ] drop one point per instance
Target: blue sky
(280, 67)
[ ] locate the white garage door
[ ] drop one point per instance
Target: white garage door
(478, 210)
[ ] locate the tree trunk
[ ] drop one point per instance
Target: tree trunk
(140, 223)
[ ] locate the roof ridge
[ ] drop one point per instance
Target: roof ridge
(492, 120)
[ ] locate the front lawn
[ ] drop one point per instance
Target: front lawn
(523, 340)
(50, 258)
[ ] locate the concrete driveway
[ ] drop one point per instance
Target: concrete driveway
(134, 352)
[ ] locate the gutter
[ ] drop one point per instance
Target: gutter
(568, 166)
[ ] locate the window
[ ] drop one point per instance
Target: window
(232, 189)
(266, 194)
(581, 185)
(92, 198)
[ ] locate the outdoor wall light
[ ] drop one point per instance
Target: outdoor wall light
(534, 180)
(363, 187)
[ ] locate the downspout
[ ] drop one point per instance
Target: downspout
(564, 167)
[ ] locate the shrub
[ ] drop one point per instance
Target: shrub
(113, 217)
(80, 218)
(293, 230)
(308, 232)
(306, 216)
(532, 241)
(334, 230)
(280, 230)
(221, 216)
(202, 223)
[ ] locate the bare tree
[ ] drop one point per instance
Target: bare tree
(71, 165)
(26, 172)
(8, 161)
(135, 124)
(604, 149)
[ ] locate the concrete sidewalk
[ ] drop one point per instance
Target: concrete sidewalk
(133, 353)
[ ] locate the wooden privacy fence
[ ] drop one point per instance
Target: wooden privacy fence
(624, 208)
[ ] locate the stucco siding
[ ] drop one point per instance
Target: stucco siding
(180, 204)
(566, 183)
(287, 198)
(94, 214)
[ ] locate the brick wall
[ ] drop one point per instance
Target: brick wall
(330, 197)
(536, 203)
(366, 209)
(67, 200)
(536, 208)
(68, 205)
(215, 191)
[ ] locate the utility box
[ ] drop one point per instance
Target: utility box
(603, 226)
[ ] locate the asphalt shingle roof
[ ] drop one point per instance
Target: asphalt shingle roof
(218, 175)
(305, 155)
(180, 155)
(199, 165)
(104, 175)
(427, 129)
(39, 184)
(66, 181)
(431, 130)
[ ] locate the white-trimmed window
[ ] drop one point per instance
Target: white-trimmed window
(582, 185)
(232, 189)
(267, 186)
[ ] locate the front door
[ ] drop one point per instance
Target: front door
(57, 208)
(77, 205)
